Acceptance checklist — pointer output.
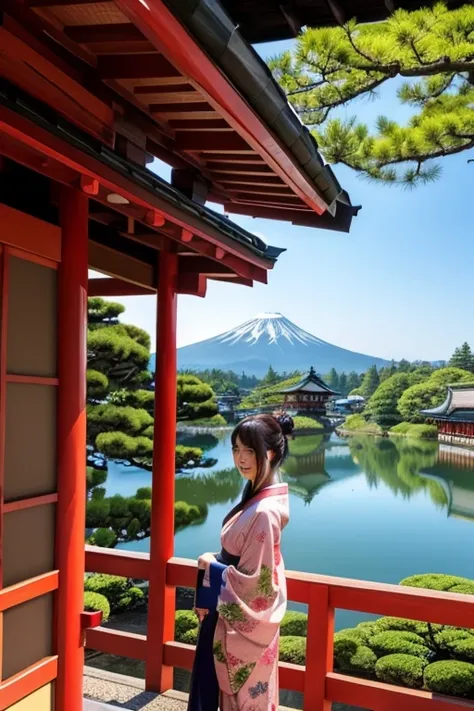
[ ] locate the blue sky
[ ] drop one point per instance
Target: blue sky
(399, 285)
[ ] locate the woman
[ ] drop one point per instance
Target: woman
(241, 595)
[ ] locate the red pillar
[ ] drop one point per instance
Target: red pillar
(161, 602)
(71, 431)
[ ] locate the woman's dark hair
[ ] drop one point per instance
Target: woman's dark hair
(262, 433)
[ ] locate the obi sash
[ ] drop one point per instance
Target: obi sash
(207, 595)
(204, 688)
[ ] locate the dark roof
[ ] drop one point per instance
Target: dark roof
(222, 40)
(459, 405)
(269, 20)
(311, 379)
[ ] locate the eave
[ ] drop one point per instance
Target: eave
(155, 86)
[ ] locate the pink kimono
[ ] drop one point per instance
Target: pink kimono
(252, 604)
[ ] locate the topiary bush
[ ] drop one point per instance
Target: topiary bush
(435, 581)
(94, 602)
(450, 677)
(385, 624)
(294, 624)
(397, 642)
(185, 621)
(104, 538)
(293, 650)
(191, 636)
(402, 669)
(361, 663)
(120, 592)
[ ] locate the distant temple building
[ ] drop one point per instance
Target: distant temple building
(310, 395)
(455, 417)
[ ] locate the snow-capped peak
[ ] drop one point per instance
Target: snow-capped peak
(270, 328)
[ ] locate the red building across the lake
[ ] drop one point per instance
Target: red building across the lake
(310, 395)
(455, 417)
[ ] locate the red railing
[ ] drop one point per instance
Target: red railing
(317, 680)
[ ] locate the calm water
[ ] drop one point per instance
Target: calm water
(373, 509)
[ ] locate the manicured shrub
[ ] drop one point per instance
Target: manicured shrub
(362, 662)
(368, 628)
(104, 538)
(404, 669)
(385, 624)
(450, 677)
(191, 636)
(185, 620)
(434, 581)
(119, 591)
(94, 602)
(293, 650)
(359, 636)
(396, 642)
(463, 588)
(143, 492)
(295, 624)
(132, 598)
(344, 649)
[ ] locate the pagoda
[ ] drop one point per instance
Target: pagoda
(455, 417)
(309, 395)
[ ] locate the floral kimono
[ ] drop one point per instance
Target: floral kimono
(251, 604)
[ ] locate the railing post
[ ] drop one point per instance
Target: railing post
(161, 601)
(319, 650)
(71, 431)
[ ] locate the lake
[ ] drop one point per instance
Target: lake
(367, 508)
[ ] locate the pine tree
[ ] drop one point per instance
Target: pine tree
(272, 377)
(120, 401)
(432, 47)
(343, 388)
(370, 382)
(388, 371)
(332, 379)
(353, 381)
(463, 358)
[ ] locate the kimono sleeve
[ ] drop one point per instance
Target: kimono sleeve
(250, 592)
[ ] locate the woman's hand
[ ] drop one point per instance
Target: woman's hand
(205, 560)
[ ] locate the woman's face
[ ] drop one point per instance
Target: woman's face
(245, 460)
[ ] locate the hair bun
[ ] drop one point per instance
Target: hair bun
(286, 422)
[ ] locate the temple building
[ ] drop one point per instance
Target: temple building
(455, 417)
(309, 396)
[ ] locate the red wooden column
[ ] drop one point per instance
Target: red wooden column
(161, 602)
(70, 553)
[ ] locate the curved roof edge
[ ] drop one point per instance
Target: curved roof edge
(219, 37)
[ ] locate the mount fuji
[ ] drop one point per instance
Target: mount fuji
(271, 339)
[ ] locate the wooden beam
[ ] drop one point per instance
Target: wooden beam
(201, 265)
(244, 160)
(185, 96)
(243, 168)
(204, 142)
(200, 125)
(239, 180)
(86, 34)
(135, 66)
(159, 88)
(192, 284)
(276, 198)
(116, 264)
(116, 287)
(58, 3)
(180, 108)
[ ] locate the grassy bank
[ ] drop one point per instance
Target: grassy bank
(358, 425)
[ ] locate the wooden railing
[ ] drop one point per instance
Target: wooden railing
(317, 680)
